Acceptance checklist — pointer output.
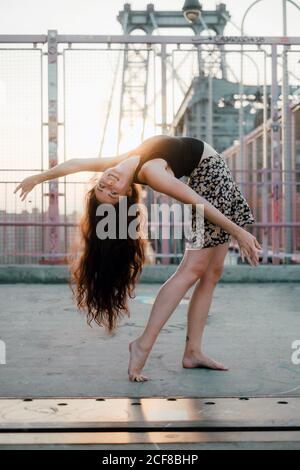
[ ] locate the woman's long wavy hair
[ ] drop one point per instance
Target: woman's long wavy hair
(106, 271)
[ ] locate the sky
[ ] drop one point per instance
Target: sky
(99, 16)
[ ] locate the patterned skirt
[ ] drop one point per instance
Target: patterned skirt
(212, 179)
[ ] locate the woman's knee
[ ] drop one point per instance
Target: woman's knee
(191, 273)
(213, 273)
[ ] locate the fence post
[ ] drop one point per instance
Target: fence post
(53, 215)
(275, 159)
(287, 158)
(165, 243)
(163, 56)
(254, 181)
(265, 203)
(294, 182)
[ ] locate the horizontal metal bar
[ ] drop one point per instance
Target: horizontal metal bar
(21, 49)
(23, 38)
(275, 224)
(70, 224)
(258, 170)
(167, 255)
(36, 224)
(58, 255)
(154, 255)
(149, 39)
(33, 254)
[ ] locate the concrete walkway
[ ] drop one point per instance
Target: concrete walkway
(51, 351)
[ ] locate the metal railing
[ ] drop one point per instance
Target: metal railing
(36, 133)
(25, 233)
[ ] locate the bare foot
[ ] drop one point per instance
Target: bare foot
(193, 360)
(138, 357)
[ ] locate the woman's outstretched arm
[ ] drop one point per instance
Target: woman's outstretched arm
(73, 165)
(161, 181)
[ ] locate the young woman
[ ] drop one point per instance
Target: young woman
(106, 272)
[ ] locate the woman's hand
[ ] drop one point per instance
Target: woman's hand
(249, 246)
(26, 186)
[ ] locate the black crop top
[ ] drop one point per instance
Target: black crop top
(182, 153)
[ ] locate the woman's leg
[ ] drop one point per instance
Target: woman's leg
(192, 266)
(198, 311)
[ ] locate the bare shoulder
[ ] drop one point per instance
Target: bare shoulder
(151, 169)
